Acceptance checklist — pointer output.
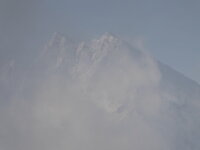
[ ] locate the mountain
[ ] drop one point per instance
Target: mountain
(101, 94)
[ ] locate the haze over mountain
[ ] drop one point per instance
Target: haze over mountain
(100, 94)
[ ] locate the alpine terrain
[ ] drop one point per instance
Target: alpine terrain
(103, 94)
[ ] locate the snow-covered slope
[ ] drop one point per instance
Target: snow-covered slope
(101, 94)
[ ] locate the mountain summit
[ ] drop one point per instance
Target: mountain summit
(101, 94)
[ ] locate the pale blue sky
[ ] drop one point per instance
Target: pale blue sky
(170, 28)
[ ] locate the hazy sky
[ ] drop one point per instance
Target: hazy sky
(103, 94)
(170, 28)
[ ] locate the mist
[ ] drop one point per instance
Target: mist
(100, 94)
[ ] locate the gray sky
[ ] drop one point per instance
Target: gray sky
(170, 28)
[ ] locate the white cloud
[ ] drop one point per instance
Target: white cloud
(108, 99)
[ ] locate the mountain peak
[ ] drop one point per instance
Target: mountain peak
(109, 37)
(107, 81)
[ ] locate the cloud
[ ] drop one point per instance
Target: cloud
(108, 98)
